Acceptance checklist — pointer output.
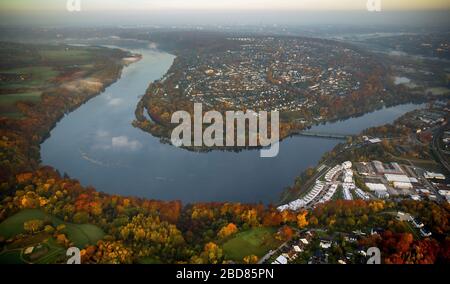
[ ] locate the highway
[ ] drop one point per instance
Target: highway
(437, 150)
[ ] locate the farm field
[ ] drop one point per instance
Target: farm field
(29, 72)
(65, 55)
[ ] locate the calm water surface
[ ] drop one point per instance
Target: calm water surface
(97, 145)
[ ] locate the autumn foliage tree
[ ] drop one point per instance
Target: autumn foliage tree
(33, 226)
(212, 254)
(285, 233)
(301, 220)
(401, 248)
(113, 253)
(227, 231)
(148, 235)
(250, 259)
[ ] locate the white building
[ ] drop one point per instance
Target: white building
(431, 175)
(332, 173)
(413, 180)
(402, 185)
(297, 249)
(381, 194)
(348, 176)
(280, 260)
(304, 241)
(361, 194)
(376, 186)
(397, 178)
(378, 189)
(331, 191)
(325, 244)
(415, 197)
(347, 165)
(302, 202)
(347, 194)
(375, 140)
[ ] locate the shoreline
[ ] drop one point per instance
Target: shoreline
(297, 133)
(201, 149)
(40, 119)
(106, 84)
(159, 126)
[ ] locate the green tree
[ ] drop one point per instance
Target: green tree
(81, 217)
(33, 226)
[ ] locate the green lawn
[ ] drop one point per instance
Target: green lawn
(11, 99)
(11, 257)
(38, 77)
(14, 225)
(8, 103)
(63, 55)
(256, 241)
(27, 90)
(55, 252)
(81, 235)
(12, 115)
(14, 255)
(148, 260)
(27, 77)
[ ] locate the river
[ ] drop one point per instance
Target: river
(97, 145)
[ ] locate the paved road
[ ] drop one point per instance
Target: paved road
(271, 253)
(437, 150)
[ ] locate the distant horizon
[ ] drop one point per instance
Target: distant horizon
(439, 18)
(223, 5)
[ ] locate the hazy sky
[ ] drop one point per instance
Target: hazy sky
(98, 5)
(225, 12)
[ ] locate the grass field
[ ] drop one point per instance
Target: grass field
(35, 69)
(11, 99)
(36, 77)
(11, 257)
(256, 241)
(81, 235)
(27, 90)
(8, 103)
(34, 72)
(63, 55)
(53, 253)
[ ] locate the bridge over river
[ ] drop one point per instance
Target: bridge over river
(319, 134)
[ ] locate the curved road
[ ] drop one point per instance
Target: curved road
(437, 150)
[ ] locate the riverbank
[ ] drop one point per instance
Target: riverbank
(302, 104)
(72, 85)
(127, 161)
(408, 140)
(141, 229)
(115, 156)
